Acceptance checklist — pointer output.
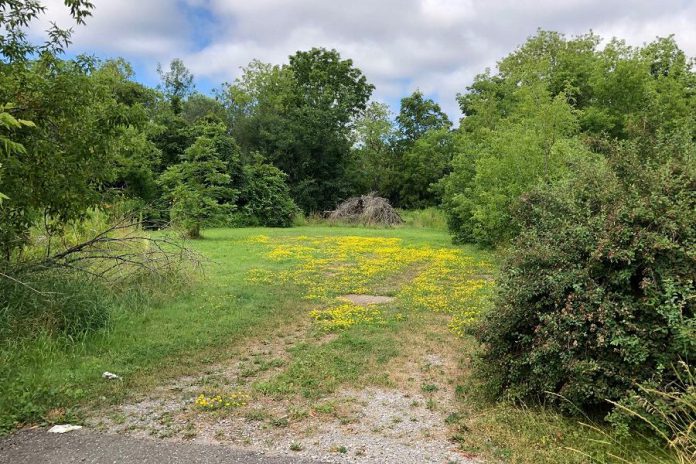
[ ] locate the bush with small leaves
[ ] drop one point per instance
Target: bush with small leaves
(264, 197)
(598, 292)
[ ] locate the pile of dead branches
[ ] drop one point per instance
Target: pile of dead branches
(366, 209)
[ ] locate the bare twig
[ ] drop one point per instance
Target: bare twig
(121, 250)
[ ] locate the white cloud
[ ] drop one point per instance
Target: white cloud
(435, 45)
(144, 29)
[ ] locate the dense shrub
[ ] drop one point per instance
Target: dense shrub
(264, 197)
(598, 292)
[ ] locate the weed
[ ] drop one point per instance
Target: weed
(295, 413)
(256, 415)
(325, 408)
(429, 388)
(221, 401)
(280, 422)
(431, 404)
(296, 446)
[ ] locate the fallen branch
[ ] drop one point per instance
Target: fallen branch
(122, 250)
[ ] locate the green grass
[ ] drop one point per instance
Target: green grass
(355, 358)
(172, 337)
(44, 379)
(145, 346)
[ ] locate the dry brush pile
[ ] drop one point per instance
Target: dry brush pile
(366, 209)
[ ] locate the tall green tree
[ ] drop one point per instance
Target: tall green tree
(418, 115)
(532, 145)
(299, 116)
(553, 99)
(371, 165)
(136, 158)
(198, 106)
(424, 165)
(82, 128)
(177, 83)
(199, 188)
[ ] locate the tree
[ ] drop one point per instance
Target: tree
(423, 165)
(264, 197)
(136, 157)
(371, 164)
(325, 81)
(299, 117)
(533, 144)
(198, 188)
(71, 154)
(8, 147)
(198, 106)
(417, 116)
(15, 17)
(258, 106)
(177, 83)
(171, 135)
(594, 96)
(328, 92)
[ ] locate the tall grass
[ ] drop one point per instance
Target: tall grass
(428, 218)
(669, 413)
(53, 302)
(49, 312)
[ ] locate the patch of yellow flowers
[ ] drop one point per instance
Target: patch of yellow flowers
(446, 279)
(230, 400)
(346, 315)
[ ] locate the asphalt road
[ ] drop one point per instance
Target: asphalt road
(86, 447)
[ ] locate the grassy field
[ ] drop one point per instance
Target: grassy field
(282, 290)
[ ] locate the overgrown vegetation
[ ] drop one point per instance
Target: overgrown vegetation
(575, 161)
(596, 296)
(596, 293)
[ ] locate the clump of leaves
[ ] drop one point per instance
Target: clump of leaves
(296, 446)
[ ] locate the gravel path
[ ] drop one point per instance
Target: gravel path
(86, 447)
(404, 424)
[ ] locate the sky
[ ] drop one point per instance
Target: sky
(437, 46)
